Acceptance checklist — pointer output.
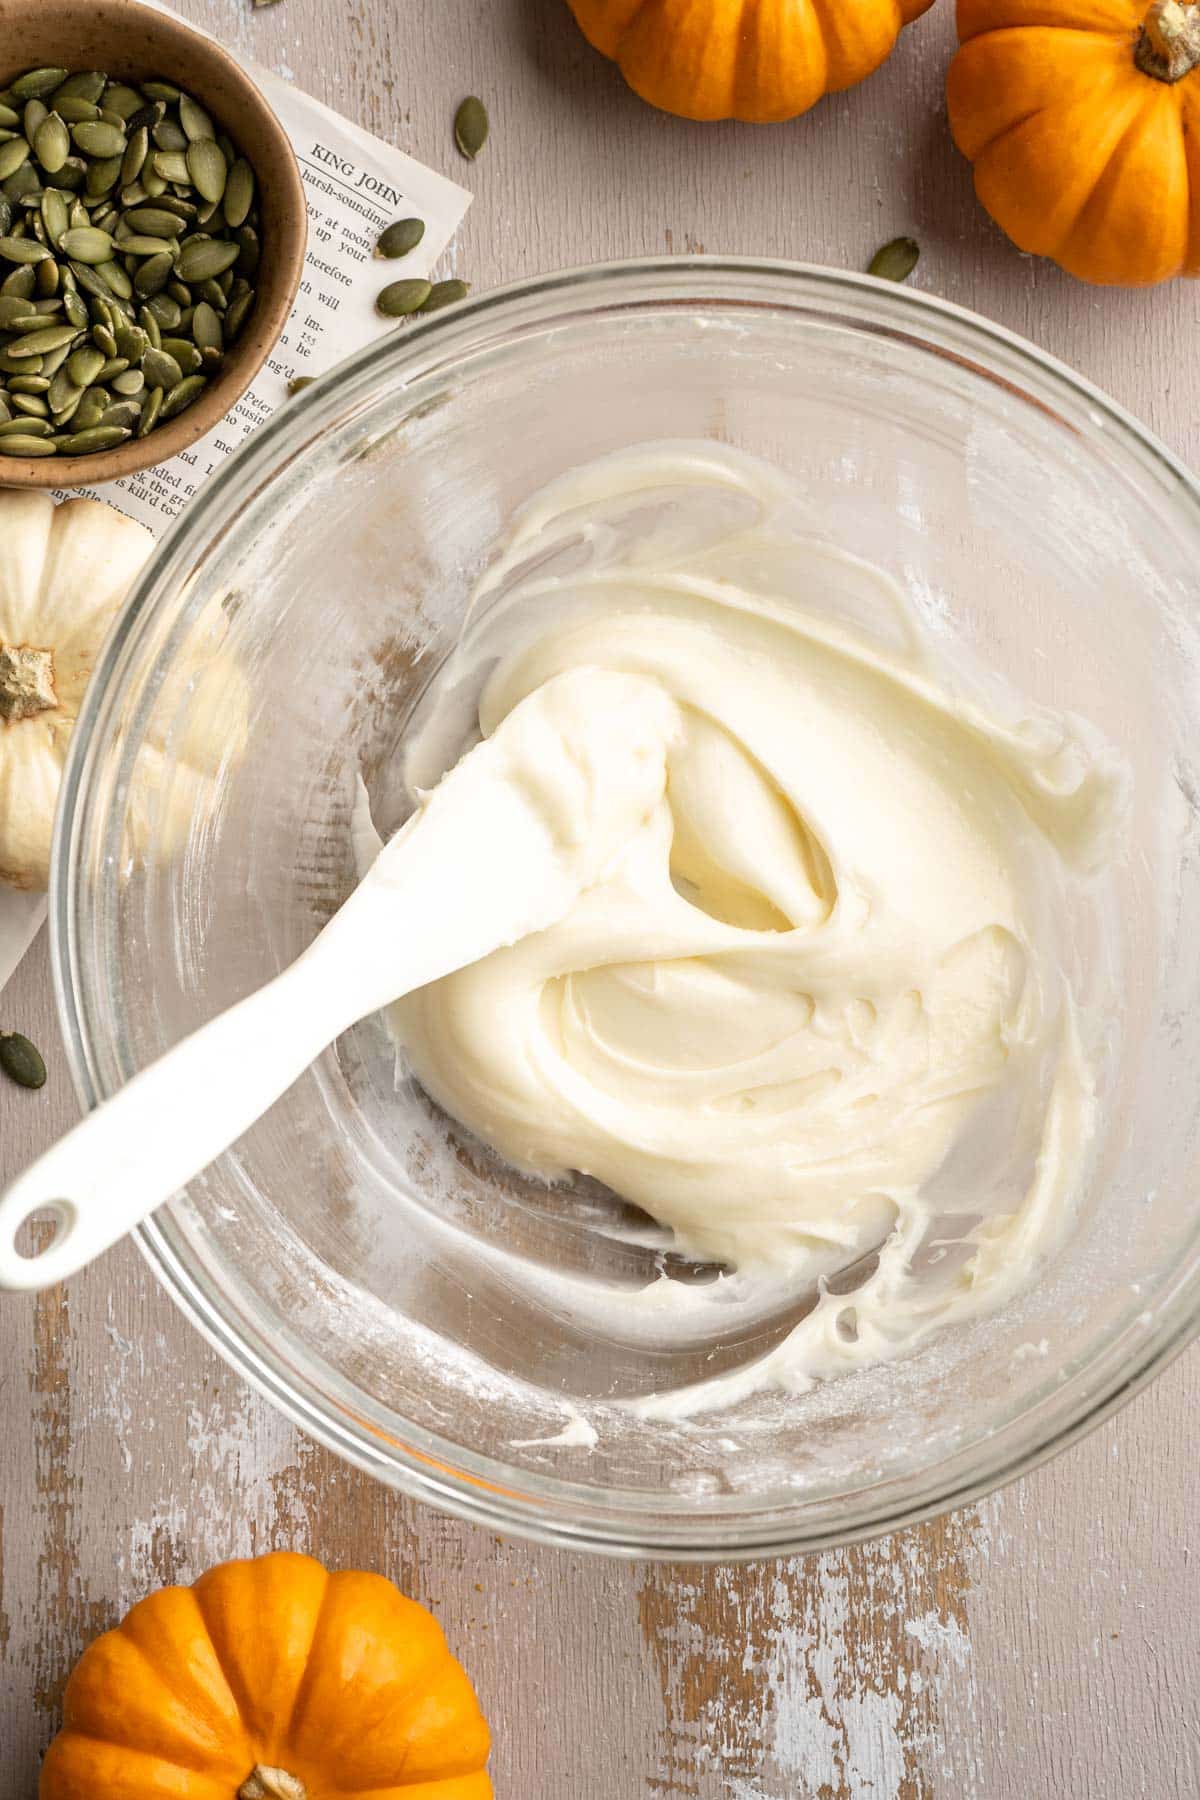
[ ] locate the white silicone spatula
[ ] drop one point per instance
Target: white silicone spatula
(501, 848)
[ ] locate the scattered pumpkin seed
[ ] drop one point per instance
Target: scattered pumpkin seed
(445, 293)
(400, 298)
(895, 261)
(471, 127)
(401, 237)
(299, 382)
(22, 1061)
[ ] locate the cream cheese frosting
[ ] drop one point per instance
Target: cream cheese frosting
(815, 1016)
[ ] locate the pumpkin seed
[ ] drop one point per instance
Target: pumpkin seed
(132, 342)
(31, 404)
(207, 168)
(16, 315)
(182, 396)
(163, 308)
(471, 127)
(19, 284)
(104, 339)
(237, 312)
(89, 84)
(150, 326)
(160, 90)
(84, 364)
(52, 143)
(150, 412)
(91, 409)
(96, 137)
(126, 413)
(96, 437)
(21, 444)
(195, 121)
(22, 250)
(28, 384)
(128, 382)
(21, 1061)
(445, 293)
(36, 83)
(75, 310)
(115, 365)
(46, 278)
(37, 343)
(74, 111)
(400, 238)
(87, 245)
(182, 351)
(102, 174)
(153, 275)
(116, 280)
(201, 257)
(12, 155)
(298, 383)
(136, 150)
(154, 221)
(400, 298)
(9, 116)
(895, 261)
(25, 427)
(63, 396)
(55, 216)
(168, 135)
(118, 98)
(206, 327)
(239, 192)
(171, 165)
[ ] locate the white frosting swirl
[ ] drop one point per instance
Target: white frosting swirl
(818, 1007)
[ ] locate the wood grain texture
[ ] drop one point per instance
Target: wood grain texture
(1043, 1644)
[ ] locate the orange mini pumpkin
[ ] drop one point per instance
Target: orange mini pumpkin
(1082, 118)
(270, 1680)
(758, 60)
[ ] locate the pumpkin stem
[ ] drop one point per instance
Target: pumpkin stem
(266, 1783)
(26, 683)
(1168, 46)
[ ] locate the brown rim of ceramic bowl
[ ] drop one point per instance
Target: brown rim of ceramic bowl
(127, 39)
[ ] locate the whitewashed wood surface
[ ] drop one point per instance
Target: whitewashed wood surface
(1042, 1644)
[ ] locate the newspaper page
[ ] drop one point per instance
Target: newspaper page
(354, 185)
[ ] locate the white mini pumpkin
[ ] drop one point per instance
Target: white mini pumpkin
(64, 573)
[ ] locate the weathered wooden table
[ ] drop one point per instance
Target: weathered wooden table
(1042, 1644)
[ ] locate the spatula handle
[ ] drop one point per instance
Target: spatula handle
(174, 1118)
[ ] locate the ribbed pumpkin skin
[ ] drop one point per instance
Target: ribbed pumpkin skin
(757, 60)
(337, 1679)
(1078, 155)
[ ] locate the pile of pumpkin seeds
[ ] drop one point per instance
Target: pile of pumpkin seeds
(129, 243)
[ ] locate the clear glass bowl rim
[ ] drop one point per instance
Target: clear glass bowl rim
(549, 1510)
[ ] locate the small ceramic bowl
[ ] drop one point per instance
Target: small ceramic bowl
(135, 42)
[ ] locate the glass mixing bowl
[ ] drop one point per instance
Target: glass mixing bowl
(271, 653)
